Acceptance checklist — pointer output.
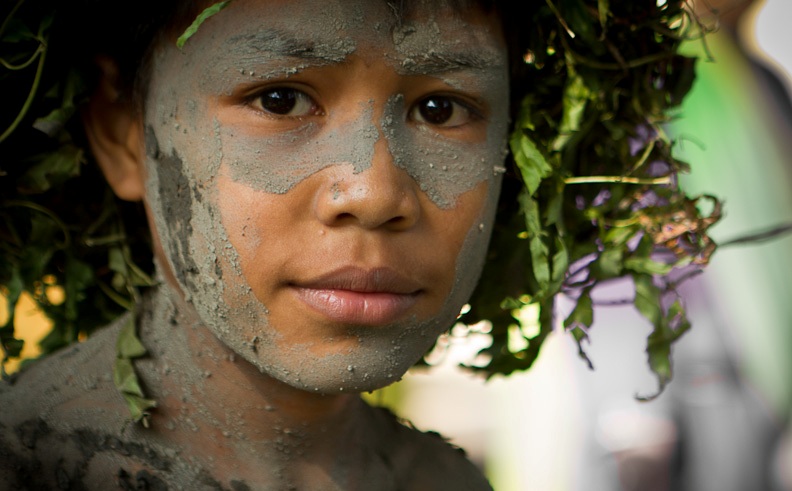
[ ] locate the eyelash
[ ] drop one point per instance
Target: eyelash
(290, 98)
(460, 109)
(285, 99)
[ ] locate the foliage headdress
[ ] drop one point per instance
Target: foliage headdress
(591, 196)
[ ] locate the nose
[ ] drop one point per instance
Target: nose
(382, 196)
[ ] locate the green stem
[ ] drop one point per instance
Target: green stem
(644, 156)
(24, 65)
(45, 211)
(561, 20)
(103, 241)
(30, 97)
(756, 237)
(617, 179)
(116, 297)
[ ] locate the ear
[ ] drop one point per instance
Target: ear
(115, 134)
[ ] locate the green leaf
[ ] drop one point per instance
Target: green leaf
(78, 276)
(510, 303)
(658, 349)
(530, 209)
(578, 322)
(603, 8)
(554, 214)
(55, 120)
(541, 267)
(128, 344)
(583, 313)
(56, 168)
(608, 264)
(647, 298)
(659, 342)
(529, 159)
(646, 265)
(578, 19)
(138, 407)
(678, 318)
(124, 377)
(17, 31)
(576, 96)
(619, 235)
(193, 28)
(12, 347)
(115, 260)
(560, 262)
(539, 251)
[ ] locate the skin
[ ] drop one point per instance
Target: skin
(255, 216)
(305, 256)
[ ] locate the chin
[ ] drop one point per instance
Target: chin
(377, 358)
(339, 374)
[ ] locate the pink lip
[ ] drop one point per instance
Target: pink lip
(353, 295)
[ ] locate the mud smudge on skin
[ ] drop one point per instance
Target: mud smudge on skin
(183, 97)
(291, 158)
(280, 49)
(173, 183)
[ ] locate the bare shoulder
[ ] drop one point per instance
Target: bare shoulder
(59, 414)
(425, 460)
(70, 386)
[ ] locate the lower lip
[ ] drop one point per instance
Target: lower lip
(361, 308)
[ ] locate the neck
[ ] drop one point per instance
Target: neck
(210, 398)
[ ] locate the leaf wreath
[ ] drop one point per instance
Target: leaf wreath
(591, 197)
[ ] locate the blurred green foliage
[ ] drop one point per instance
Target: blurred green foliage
(600, 200)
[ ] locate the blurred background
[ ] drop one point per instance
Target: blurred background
(723, 423)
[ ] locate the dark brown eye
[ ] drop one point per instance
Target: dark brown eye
(441, 111)
(285, 101)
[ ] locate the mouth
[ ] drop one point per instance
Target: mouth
(359, 296)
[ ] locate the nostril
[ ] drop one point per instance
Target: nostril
(396, 220)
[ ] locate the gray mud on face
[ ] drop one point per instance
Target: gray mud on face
(315, 35)
(443, 168)
(173, 183)
(184, 166)
(271, 42)
(286, 160)
(464, 59)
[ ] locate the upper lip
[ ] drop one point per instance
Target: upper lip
(357, 279)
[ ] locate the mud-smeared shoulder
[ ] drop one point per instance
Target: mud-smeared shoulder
(63, 425)
(425, 460)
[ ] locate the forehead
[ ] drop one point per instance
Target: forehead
(332, 29)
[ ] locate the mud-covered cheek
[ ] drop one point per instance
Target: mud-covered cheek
(444, 168)
(181, 194)
(275, 164)
(476, 237)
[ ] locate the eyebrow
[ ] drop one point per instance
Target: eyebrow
(435, 63)
(283, 45)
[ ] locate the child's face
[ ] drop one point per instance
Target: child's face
(323, 180)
